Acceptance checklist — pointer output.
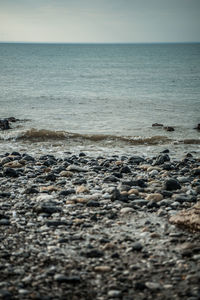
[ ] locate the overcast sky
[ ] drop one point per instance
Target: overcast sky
(100, 21)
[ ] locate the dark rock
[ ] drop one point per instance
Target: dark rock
(140, 202)
(110, 179)
(82, 154)
(115, 195)
(51, 177)
(117, 174)
(56, 223)
(141, 183)
(10, 172)
(94, 253)
(4, 222)
(28, 157)
(172, 184)
(167, 166)
(5, 195)
(4, 124)
(157, 125)
(5, 295)
(161, 159)
(137, 246)
(80, 181)
(198, 127)
(196, 171)
(67, 192)
(93, 203)
(47, 208)
(136, 160)
(165, 151)
(125, 169)
(60, 278)
(140, 286)
(31, 190)
(169, 128)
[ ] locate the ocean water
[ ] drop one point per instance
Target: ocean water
(100, 97)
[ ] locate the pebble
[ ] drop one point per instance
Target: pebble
(154, 197)
(98, 227)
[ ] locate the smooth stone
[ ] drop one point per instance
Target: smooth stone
(137, 246)
(154, 197)
(76, 168)
(126, 210)
(102, 269)
(172, 184)
(66, 174)
(114, 293)
(153, 285)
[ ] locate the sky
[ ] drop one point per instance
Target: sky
(100, 21)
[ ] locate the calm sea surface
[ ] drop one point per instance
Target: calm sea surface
(100, 97)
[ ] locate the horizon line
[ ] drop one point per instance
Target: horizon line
(95, 43)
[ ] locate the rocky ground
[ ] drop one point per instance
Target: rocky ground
(85, 227)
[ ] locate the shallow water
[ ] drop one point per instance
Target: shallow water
(100, 96)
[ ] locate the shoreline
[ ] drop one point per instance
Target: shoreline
(85, 227)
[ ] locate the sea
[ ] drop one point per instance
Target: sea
(100, 98)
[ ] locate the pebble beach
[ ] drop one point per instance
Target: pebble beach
(106, 227)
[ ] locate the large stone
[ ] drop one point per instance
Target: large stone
(172, 184)
(189, 218)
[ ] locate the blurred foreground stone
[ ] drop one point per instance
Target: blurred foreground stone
(189, 218)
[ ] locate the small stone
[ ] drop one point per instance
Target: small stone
(126, 210)
(49, 188)
(75, 168)
(114, 293)
(13, 164)
(137, 246)
(102, 269)
(93, 203)
(60, 278)
(66, 174)
(153, 285)
(82, 190)
(133, 192)
(154, 197)
(94, 253)
(4, 222)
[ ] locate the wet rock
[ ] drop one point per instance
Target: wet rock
(189, 218)
(169, 128)
(161, 159)
(197, 127)
(172, 184)
(4, 124)
(157, 125)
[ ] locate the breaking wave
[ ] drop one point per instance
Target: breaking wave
(42, 135)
